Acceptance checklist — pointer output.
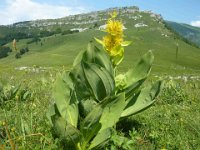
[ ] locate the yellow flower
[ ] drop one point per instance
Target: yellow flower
(114, 27)
(111, 43)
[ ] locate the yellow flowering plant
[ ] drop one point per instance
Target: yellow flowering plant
(114, 42)
(91, 98)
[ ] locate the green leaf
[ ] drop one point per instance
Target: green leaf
(91, 55)
(135, 77)
(126, 43)
(72, 111)
(65, 130)
(86, 106)
(51, 112)
(91, 125)
(62, 95)
(99, 41)
(65, 99)
(117, 50)
(141, 70)
(80, 85)
(112, 110)
(119, 55)
(26, 95)
(133, 89)
(99, 57)
(78, 58)
(142, 100)
(100, 140)
(99, 80)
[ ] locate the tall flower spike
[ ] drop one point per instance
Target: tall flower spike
(113, 42)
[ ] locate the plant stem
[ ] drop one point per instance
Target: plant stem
(78, 147)
(9, 137)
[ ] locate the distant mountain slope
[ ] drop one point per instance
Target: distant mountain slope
(189, 32)
(146, 29)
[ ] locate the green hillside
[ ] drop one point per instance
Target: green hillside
(189, 32)
(145, 29)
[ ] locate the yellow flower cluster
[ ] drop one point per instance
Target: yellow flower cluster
(114, 27)
(113, 40)
(111, 43)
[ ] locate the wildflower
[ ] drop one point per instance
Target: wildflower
(111, 43)
(114, 27)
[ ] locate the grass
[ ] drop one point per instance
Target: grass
(171, 123)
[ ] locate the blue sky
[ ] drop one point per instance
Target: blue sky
(185, 11)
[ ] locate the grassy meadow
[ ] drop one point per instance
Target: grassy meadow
(171, 123)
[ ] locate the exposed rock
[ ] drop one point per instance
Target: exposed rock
(139, 25)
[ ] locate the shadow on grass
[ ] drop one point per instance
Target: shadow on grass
(127, 125)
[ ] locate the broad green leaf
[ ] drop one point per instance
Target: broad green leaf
(62, 95)
(103, 60)
(78, 78)
(133, 89)
(99, 57)
(141, 70)
(100, 140)
(80, 86)
(99, 80)
(142, 100)
(65, 130)
(78, 58)
(112, 110)
(91, 125)
(65, 99)
(135, 77)
(86, 106)
(72, 111)
(89, 55)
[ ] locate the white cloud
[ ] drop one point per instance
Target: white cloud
(195, 23)
(24, 10)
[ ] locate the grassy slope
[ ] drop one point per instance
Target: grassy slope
(61, 49)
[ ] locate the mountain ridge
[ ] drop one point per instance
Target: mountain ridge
(190, 33)
(57, 44)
